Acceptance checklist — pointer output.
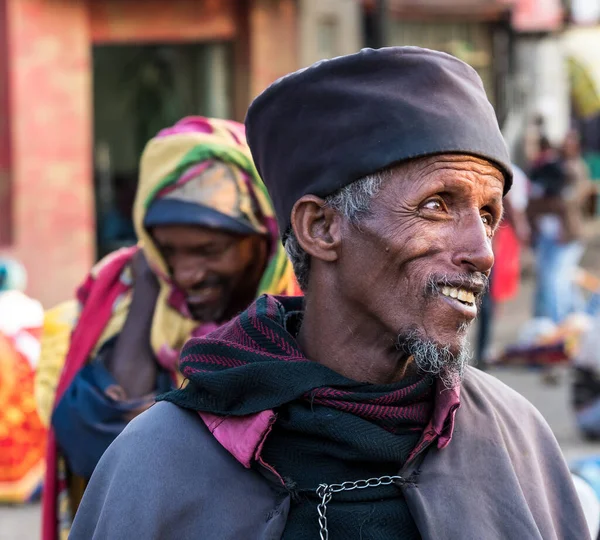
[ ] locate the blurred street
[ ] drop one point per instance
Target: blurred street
(552, 401)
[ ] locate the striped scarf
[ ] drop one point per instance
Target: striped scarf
(253, 363)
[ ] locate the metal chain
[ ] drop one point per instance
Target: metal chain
(325, 493)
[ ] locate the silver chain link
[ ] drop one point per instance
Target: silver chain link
(325, 493)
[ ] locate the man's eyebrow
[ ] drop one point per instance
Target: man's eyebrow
(502, 214)
(497, 201)
(500, 218)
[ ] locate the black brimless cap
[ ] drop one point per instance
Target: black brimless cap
(321, 128)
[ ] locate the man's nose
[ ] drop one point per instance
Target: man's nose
(188, 273)
(472, 246)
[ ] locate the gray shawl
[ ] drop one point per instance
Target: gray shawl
(502, 477)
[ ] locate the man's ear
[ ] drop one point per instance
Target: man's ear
(317, 228)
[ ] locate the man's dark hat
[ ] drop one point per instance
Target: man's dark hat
(321, 128)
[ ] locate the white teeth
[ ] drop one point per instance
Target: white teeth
(463, 295)
(460, 294)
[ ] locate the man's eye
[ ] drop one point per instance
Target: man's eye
(434, 204)
(213, 251)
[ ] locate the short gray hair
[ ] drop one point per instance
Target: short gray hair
(353, 202)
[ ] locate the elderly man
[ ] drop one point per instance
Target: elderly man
(352, 413)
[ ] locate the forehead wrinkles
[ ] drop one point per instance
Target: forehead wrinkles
(419, 173)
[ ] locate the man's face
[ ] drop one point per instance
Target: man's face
(419, 262)
(218, 271)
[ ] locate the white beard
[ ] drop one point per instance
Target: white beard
(435, 359)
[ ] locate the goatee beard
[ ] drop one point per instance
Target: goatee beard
(435, 359)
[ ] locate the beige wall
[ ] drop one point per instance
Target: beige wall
(329, 28)
(273, 42)
(543, 74)
(50, 143)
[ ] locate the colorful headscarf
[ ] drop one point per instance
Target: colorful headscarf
(170, 160)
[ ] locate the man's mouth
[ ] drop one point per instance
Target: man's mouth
(203, 296)
(462, 295)
(462, 300)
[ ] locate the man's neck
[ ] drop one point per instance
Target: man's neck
(355, 346)
(242, 298)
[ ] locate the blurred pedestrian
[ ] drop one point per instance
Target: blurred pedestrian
(334, 415)
(208, 245)
(582, 188)
(534, 139)
(559, 190)
(586, 382)
(22, 434)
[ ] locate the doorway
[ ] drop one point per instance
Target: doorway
(139, 90)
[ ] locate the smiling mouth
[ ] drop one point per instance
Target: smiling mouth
(203, 296)
(462, 301)
(464, 296)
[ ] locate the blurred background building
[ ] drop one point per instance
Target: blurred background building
(85, 83)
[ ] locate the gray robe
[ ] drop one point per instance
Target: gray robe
(502, 477)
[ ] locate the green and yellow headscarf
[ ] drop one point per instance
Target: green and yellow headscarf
(197, 142)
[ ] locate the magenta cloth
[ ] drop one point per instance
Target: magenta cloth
(198, 124)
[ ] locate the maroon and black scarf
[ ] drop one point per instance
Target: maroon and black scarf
(254, 363)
